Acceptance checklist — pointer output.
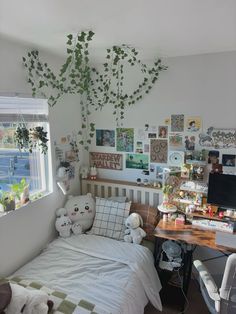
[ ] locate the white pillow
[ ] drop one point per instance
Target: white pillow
(110, 218)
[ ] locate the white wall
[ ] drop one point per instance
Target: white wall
(201, 85)
(24, 232)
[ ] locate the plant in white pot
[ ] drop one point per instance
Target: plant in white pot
(21, 191)
(7, 200)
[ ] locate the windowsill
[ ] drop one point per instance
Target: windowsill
(3, 213)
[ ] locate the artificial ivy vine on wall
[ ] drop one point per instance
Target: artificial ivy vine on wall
(96, 88)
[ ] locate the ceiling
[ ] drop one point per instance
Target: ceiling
(155, 27)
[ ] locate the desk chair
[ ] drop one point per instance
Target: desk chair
(219, 300)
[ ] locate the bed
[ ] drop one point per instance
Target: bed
(95, 274)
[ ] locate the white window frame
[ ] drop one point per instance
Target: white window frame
(16, 109)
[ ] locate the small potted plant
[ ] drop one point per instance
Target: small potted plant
(7, 200)
(21, 191)
(167, 191)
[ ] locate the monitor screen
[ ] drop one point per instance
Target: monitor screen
(222, 190)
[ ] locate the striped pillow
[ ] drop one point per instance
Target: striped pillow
(110, 218)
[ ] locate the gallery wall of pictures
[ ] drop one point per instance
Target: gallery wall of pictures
(148, 149)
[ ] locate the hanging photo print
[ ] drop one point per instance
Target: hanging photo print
(158, 151)
(136, 161)
(177, 123)
(124, 140)
(193, 124)
(105, 138)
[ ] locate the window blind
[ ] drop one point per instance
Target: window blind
(17, 109)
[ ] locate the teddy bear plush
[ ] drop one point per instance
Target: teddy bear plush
(134, 233)
(18, 299)
(81, 211)
(63, 223)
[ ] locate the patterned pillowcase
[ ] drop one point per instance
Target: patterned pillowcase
(110, 218)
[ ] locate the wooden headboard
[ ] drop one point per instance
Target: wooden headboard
(142, 194)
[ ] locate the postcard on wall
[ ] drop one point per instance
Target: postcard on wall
(189, 142)
(136, 161)
(152, 135)
(146, 148)
(158, 150)
(139, 147)
(105, 138)
(177, 123)
(176, 140)
(125, 139)
(162, 131)
(141, 135)
(106, 160)
(193, 124)
(228, 160)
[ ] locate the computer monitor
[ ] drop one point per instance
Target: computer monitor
(222, 190)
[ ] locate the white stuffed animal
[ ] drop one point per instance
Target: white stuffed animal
(134, 233)
(27, 301)
(63, 223)
(81, 211)
(84, 171)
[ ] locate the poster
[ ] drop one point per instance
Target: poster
(177, 123)
(158, 150)
(124, 140)
(106, 160)
(136, 161)
(105, 138)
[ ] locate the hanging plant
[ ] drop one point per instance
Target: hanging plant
(96, 88)
(22, 137)
(38, 139)
(30, 139)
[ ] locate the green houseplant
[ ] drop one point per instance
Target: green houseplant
(32, 138)
(7, 200)
(95, 88)
(21, 191)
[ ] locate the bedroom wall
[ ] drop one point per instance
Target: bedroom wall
(201, 85)
(25, 232)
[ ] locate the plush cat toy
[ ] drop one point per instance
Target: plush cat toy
(134, 233)
(81, 211)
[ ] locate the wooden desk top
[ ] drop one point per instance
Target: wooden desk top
(189, 234)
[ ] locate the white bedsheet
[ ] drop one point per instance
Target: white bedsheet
(118, 276)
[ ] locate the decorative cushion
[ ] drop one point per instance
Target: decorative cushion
(110, 218)
(150, 216)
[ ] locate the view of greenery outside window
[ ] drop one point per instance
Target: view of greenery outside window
(16, 164)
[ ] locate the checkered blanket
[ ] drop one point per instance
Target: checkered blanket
(63, 303)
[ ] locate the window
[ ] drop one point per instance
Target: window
(16, 164)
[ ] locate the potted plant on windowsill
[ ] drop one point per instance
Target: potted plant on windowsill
(7, 200)
(21, 191)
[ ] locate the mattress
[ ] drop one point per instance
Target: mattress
(118, 277)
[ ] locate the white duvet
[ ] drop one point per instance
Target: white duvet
(117, 276)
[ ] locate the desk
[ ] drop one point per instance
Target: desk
(191, 235)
